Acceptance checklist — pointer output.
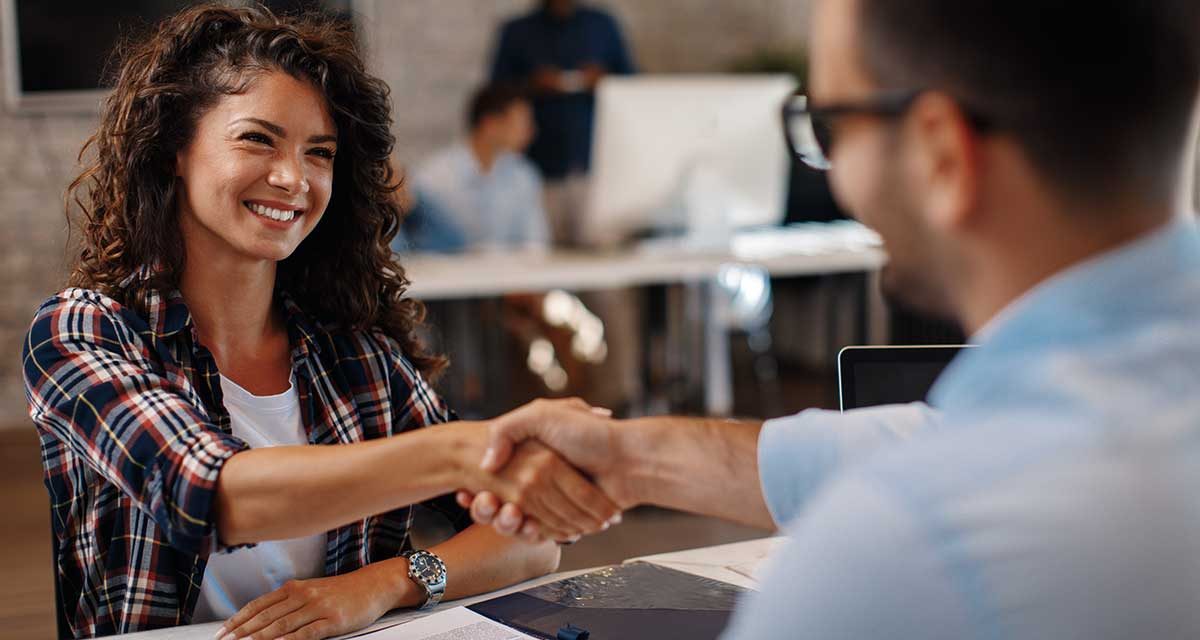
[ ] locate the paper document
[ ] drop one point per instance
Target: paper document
(458, 623)
(740, 563)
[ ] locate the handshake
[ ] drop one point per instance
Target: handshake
(552, 469)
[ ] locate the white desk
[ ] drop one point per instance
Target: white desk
(802, 250)
(736, 563)
(820, 250)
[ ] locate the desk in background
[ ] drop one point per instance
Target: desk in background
(811, 249)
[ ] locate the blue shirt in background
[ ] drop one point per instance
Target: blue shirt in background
(1051, 491)
(499, 209)
(563, 143)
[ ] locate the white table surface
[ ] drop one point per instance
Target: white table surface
(733, 563)
(816, 249)
(811, 249)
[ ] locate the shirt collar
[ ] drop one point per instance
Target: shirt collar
(470, 163)
(302, 329)
(168, 314)
(1103, 295)
(548, 16)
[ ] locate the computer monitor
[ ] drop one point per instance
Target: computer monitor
(701, 154)
(870, 376)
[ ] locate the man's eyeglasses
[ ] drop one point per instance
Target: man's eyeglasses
(809, 129)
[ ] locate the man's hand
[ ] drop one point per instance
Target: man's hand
(585, 436)
(546, 79)
(318, 608)
(593, 73)
(561, 503)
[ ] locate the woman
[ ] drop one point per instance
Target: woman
(233, 302)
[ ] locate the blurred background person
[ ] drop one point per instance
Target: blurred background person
(482, 186)
(560, 51)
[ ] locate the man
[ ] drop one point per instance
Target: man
(560, 52)
(1049, 492)
(482, 187)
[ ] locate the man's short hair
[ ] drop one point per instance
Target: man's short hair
(491, 100)
(1099, 93)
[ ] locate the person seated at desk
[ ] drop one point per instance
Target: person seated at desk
(234, 303)
(481, 192)
(1049, 488)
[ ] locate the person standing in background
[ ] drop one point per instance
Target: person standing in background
(560, 51)
(482, 186)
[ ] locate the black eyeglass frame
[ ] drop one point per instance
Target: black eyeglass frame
(892, 104)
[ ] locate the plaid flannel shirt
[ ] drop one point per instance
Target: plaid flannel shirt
(134, 433)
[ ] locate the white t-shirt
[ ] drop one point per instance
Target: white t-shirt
(232, 580)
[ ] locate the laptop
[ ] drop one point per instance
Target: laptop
(870, 376)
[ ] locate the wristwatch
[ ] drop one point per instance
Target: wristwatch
(427, 570)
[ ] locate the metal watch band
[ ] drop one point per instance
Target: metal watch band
(427, 570)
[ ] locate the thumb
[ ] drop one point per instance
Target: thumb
(503, 435)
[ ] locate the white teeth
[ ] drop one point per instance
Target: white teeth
(274, 214)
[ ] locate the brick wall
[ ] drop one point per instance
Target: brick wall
(431, 52)
(37, 160)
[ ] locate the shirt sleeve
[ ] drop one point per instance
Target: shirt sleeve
(798, 454)
(620, 61)
(416, 405)
(858, 565)
(89, 386)
(505, 67)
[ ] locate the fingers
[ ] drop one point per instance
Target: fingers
(312, 631)
(591, 501)
(288, 623)
(577, 403)
(510, 520)
(246, 613)
(582, 405)
(484, 507)
(464, 498)
(269, 623)
(549, 490)
(501, 440)
(559, 519)
(526, 422)
(531, 533)
(570, 499)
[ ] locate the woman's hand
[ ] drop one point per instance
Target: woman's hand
(321, 607)
(562, 502)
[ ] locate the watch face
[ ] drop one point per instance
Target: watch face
(426, 569)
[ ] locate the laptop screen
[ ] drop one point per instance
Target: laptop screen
(870, 376)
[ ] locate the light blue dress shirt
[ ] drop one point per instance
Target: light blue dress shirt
(499, 209)
(1053, 490)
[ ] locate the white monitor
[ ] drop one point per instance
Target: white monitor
(703, 154)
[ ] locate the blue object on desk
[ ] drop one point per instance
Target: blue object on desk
(572, 632)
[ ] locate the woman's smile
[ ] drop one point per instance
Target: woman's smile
(278, 213)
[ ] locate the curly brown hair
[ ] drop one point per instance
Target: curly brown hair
(344, 274)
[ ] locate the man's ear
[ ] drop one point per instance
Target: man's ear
(945, 161)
